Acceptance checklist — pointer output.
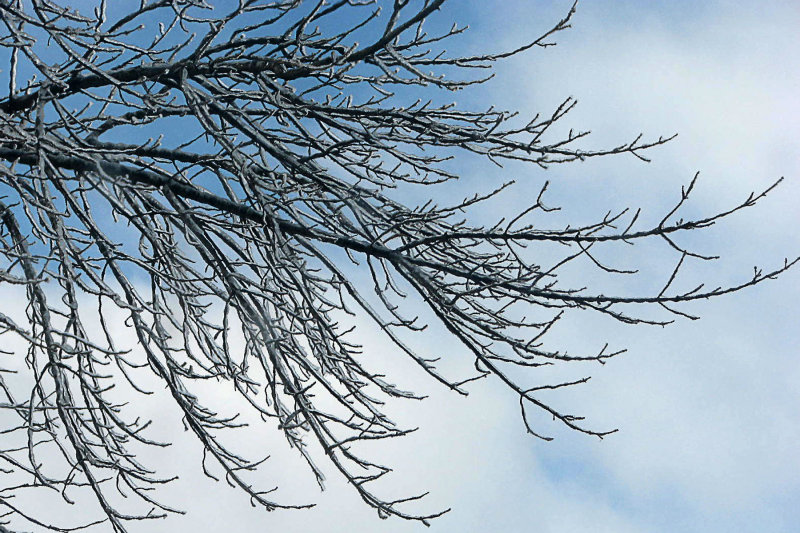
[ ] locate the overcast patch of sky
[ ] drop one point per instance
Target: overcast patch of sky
(707, 410)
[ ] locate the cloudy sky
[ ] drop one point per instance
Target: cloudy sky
(708, 411)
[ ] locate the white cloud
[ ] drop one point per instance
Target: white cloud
(707, 410)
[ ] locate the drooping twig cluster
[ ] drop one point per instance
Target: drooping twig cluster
(207, 169)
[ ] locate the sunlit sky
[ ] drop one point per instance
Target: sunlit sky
(708, 411)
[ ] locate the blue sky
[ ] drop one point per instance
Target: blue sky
(707, 410)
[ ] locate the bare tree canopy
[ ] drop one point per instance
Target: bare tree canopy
(227, 176)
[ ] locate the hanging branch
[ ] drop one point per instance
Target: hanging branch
(215, 171)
